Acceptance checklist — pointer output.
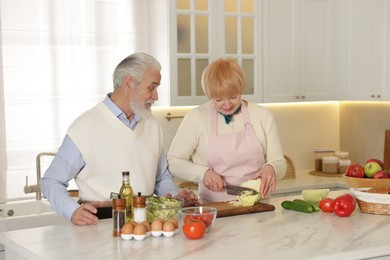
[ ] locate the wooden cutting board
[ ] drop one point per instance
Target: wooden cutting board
(226, 210)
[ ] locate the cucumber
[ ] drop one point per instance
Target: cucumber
(315, 206)
(297, 206)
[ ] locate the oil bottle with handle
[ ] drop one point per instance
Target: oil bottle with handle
(126, 192)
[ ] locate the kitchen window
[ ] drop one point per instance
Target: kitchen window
(57, 59)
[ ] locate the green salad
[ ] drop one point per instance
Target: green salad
(161, 208)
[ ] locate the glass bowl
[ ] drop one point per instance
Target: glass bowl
(206, 214)
(163, 208)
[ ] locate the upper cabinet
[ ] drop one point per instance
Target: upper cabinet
(290, 50)
(204, 30)
(365, 50)
(299, 50)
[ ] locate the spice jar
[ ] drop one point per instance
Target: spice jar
(343, 165)
(118, 215)
(330, 164)
(139, 206)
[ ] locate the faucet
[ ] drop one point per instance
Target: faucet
(36, 188)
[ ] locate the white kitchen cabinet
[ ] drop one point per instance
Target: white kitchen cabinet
(303, 50)
(204, 30)
(365, 50)
(299, 50)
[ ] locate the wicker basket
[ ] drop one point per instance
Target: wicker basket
(372, 203)
(373, 208)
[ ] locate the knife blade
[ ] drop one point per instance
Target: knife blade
(237, 190)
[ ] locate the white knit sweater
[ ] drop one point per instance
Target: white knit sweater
(110, 147)
(187, 154)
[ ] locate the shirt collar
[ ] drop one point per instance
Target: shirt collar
(116, 110)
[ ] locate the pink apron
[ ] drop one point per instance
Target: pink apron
(235, 156)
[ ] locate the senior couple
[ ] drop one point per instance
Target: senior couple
(226, 140)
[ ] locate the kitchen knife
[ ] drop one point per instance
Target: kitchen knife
(236, 190)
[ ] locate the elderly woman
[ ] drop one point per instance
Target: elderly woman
(227, 140)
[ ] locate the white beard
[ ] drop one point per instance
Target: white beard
(140, 108)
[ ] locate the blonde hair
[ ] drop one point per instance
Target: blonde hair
(223, 78)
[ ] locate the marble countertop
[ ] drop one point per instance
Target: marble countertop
(280, 234)
(304, 180)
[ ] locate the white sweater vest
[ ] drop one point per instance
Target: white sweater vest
(109, 147)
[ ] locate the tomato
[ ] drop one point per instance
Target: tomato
(327, 205)
(194, 229)
(206, 218)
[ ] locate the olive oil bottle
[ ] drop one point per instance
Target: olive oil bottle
(126, 192)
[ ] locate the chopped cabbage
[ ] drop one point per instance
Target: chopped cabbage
(245, 198)
(162, 208)
(315, 195)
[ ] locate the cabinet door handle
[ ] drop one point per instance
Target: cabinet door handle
(373, 96)
(378, 96)
(303, 97)
(296, 97)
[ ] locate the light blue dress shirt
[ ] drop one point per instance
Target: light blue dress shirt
(68, 162)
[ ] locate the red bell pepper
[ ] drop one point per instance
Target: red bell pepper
(344, 205)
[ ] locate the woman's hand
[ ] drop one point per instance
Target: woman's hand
(268, 180)
(213, 181)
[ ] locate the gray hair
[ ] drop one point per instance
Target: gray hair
(135, 66)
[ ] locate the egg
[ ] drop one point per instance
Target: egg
(168, 226)
(157, 225)
(147, 225)
(174, 221)
(139, 229)
(127, 228)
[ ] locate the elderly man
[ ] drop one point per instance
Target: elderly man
(118, 134)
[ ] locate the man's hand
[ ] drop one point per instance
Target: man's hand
(190, 198)
(84, 215)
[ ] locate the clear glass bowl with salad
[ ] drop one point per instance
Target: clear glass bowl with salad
(162, 208)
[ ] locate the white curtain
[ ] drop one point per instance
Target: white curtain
(57, 59)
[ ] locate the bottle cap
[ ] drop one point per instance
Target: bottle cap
(139, 201)
(125, 173)
(119, 203)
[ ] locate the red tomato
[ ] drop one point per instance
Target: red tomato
(206, 218)
(326, 205)
(194, 229)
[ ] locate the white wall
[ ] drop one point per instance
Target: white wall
(362, 130)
